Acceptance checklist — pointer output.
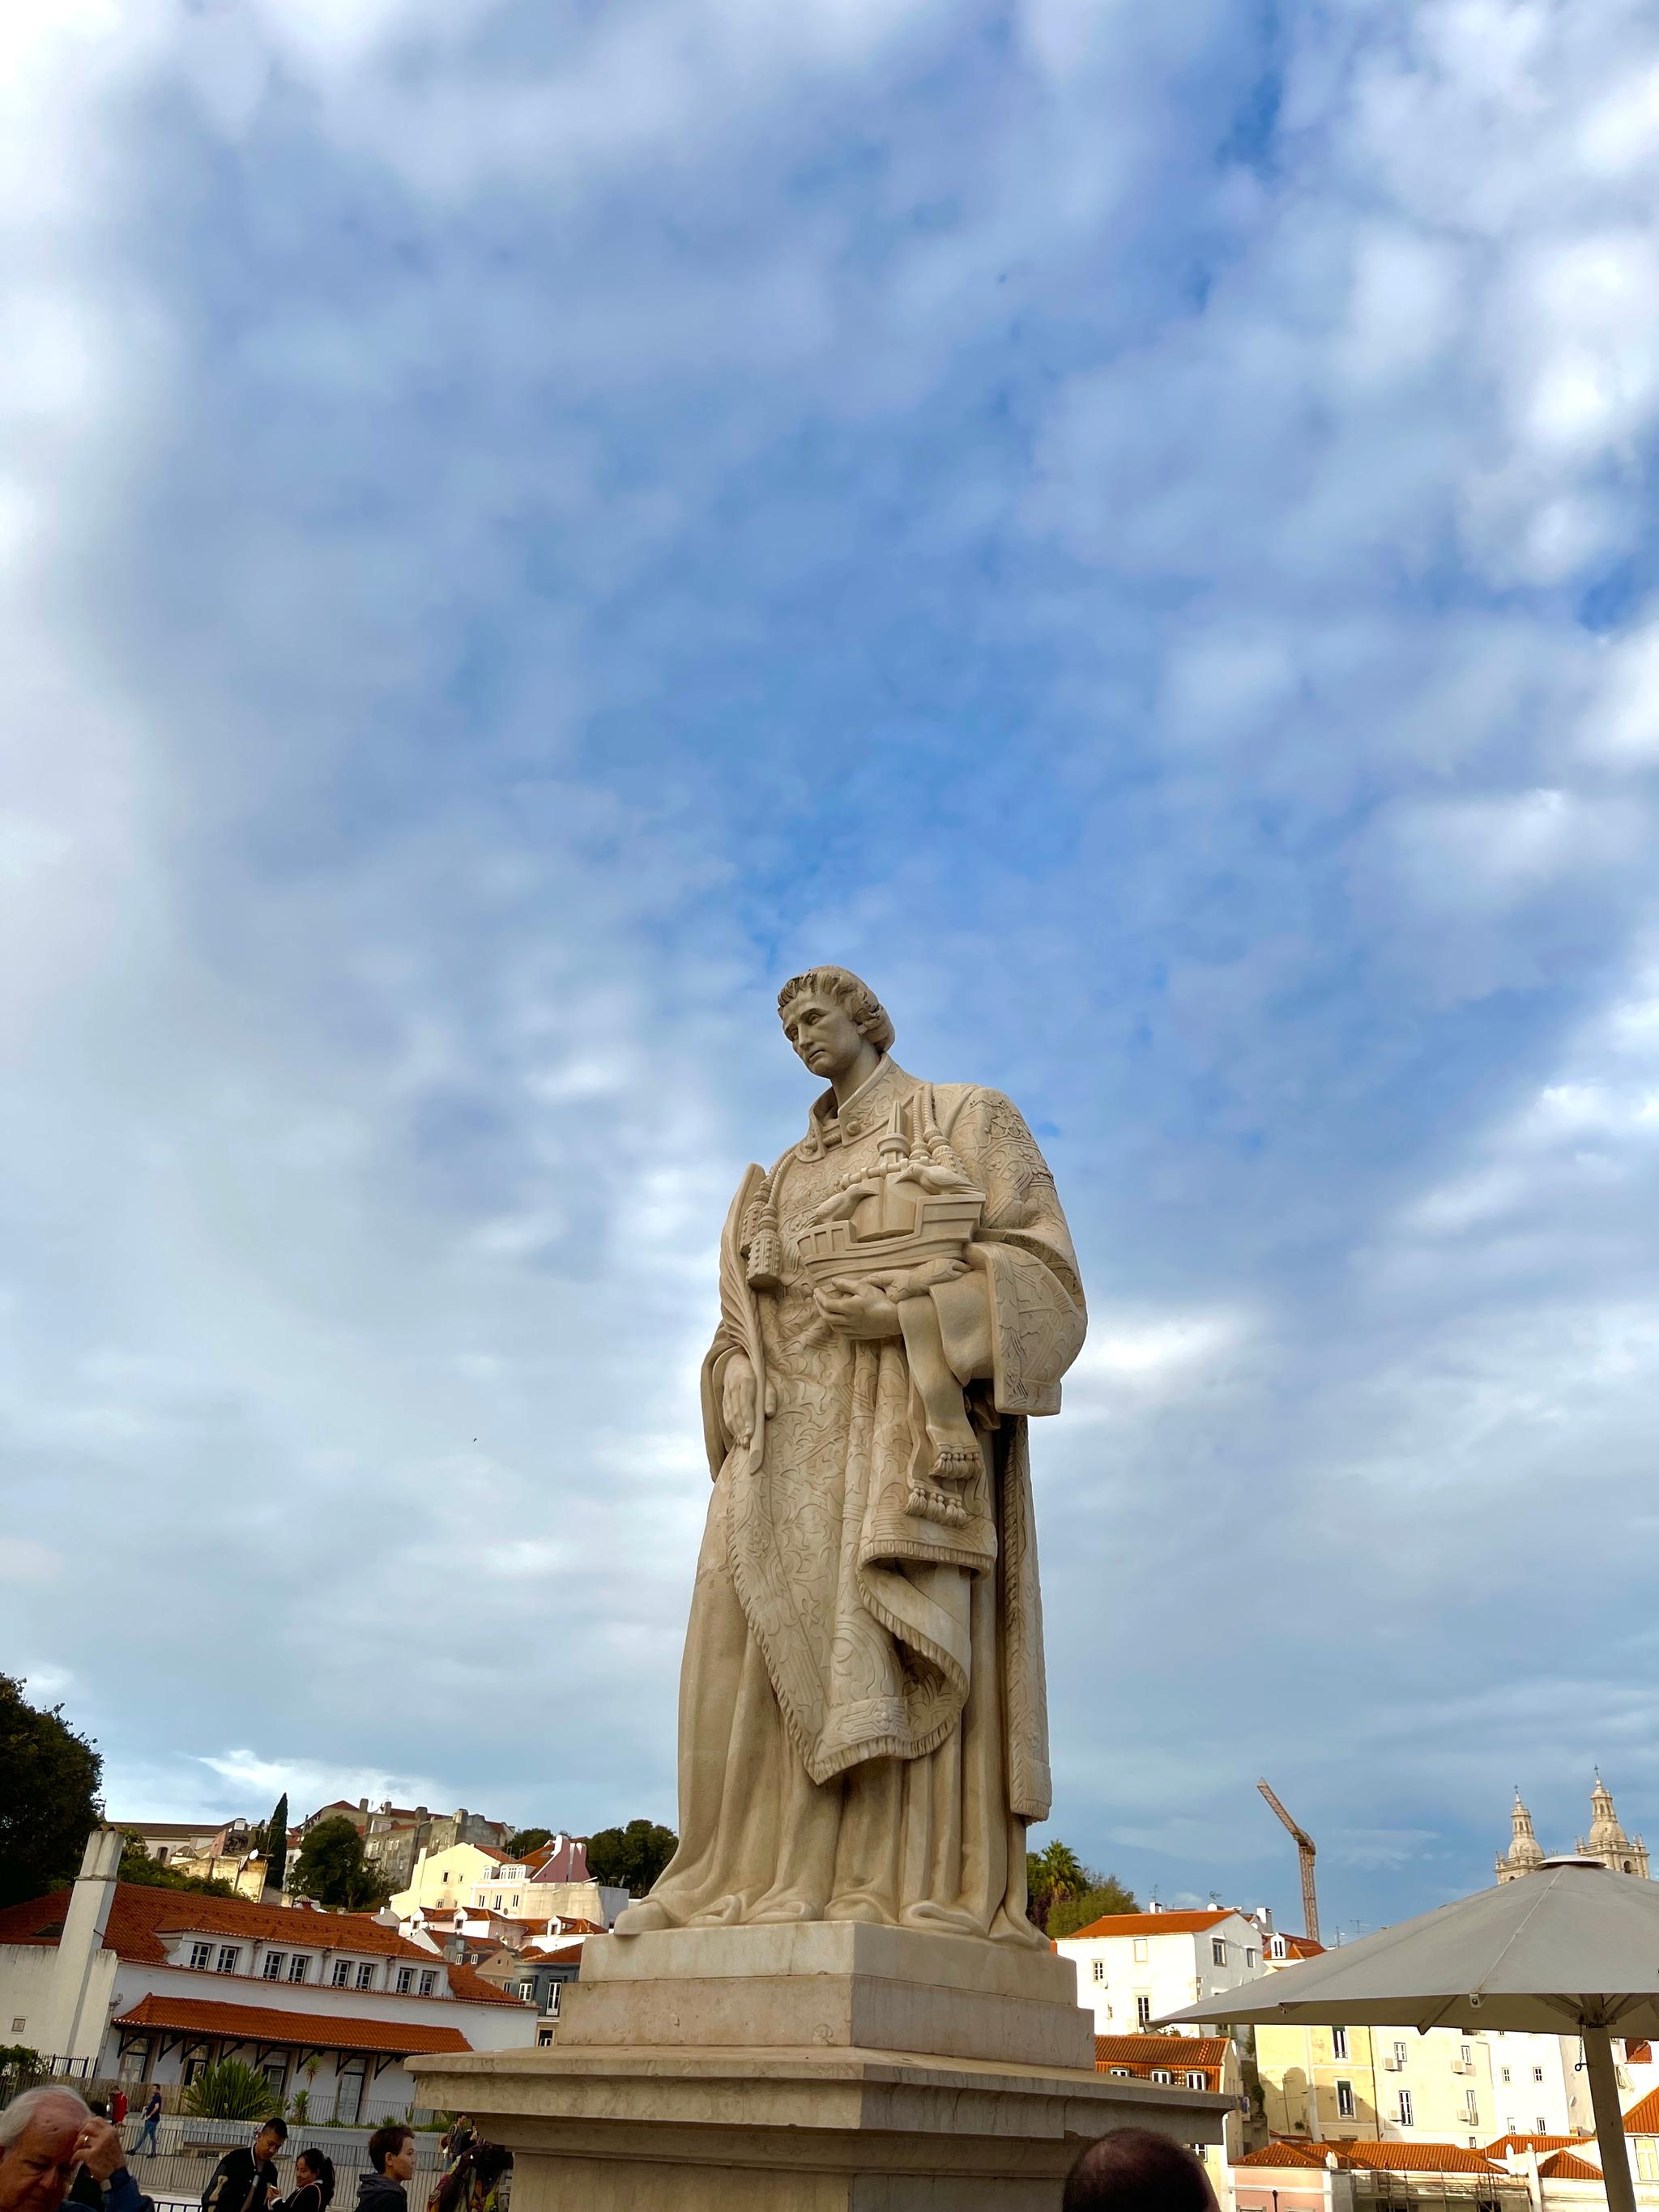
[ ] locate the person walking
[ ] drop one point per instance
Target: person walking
(246, 2180)
(313, 2184)
(392, 2154)
(152, 2121)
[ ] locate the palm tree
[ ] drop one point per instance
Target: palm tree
(1051, 1874)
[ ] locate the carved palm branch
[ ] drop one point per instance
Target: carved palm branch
(739, 1316)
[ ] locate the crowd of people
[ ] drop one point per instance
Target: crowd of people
(56, 2146)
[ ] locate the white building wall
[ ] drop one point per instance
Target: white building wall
(1544, 2093)
(1169, 1972)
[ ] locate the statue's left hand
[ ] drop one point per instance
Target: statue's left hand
(858, 1309)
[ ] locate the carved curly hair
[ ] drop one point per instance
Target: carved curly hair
(870, 1016)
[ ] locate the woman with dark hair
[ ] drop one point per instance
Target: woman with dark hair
(313, 2184)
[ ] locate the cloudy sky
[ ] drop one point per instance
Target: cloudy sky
(523, 523)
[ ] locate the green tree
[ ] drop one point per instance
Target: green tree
(331, 1867)
(229, 2091)
(49, 1779)
(275, 1847)
(1105, 1893)
(137, 1866)
(631, 1858)
(527, 1840)
(1060, 1888)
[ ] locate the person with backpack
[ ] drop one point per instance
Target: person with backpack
(245, 2180)
(313, 2184)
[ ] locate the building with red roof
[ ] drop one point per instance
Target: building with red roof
(153, 1984)
(1134, 1967)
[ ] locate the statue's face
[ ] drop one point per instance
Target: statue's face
(824, 1035)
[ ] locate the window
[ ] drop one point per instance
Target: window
(1140, 1950)
(527, 1988)
(1467, 2055)
(366, 1976)
(1276, 1947)
(1541, 2124)
(1118, 2073)
(1219, 1949)
(229, 1954)
(1471, 2109)
(342, 1973)
(1537, 2073)
(1647, 2158)
(1505, 2072)
(428, 1983)
(1163, 2074)
(1405, 2108)
(545, 2039)
(1344, 2100)
(1339, 2043)
(406, 1980)
(201, 1956)
(299, 1966)
(1143, 2012)
(1100, 1970)
(515, 1897)
(1400, 2054)
(273, 1961)
(1197, 2081)
(1249, 1956)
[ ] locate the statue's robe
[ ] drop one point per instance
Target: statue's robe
(863, 1731)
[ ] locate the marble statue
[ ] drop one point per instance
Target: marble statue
(863, 1732)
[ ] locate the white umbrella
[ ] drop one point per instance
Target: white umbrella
(1571, 1949)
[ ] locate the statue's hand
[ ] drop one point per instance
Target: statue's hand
(738, 1398)
(858, 1309)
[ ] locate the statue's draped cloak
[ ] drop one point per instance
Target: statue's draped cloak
(863, 1722)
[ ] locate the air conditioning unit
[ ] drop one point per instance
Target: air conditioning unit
(1462, 2066)
(1393, 2066)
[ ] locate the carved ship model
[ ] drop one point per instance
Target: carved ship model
(900, 1223)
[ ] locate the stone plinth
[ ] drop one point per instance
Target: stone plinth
(831, 2066)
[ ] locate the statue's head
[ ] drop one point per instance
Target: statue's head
(830, 1015)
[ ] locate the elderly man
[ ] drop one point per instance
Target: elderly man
(46, 2136)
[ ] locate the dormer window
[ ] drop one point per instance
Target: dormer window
(201, 1957)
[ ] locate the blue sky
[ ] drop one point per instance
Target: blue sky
(525, 525)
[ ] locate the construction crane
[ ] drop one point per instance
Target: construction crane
(1304, 1851)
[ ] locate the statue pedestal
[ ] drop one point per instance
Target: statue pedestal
(829, 2067)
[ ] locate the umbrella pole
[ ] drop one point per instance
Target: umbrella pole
(1609, 2121)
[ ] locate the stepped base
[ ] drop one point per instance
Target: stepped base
(734, 2070)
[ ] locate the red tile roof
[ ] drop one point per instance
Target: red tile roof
(1643, 2118)
(1507, 2144)
(264, 2024)
(1639, 2054)
(1397, 2157)
(1175, 2054)
(1567, 2166)
(1152, 1924)
(1296, 1946)
(140, 1918)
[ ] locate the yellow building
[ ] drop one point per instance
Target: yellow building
(449, 1877)
(1350, 2084)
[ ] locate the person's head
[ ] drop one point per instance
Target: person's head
(269, 2139)
(392, 2152)
(39, 2148)
(1132, 2169)
(830, 1016)
(316, 2166)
